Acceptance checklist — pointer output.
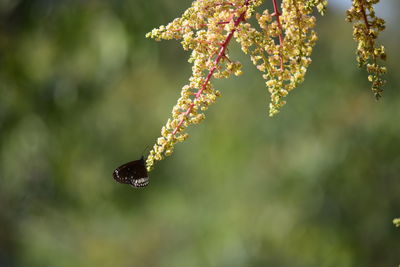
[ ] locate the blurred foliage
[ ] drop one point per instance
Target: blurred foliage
(82, 91)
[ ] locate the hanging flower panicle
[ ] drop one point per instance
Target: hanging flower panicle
(282, 49)
(366, 29)
(206, 28)
(280, 46)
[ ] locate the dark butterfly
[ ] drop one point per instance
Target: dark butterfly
(133, 173)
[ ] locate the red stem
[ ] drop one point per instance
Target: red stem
(371, 42)
(277, 14)
(221, 54)
(364, 16)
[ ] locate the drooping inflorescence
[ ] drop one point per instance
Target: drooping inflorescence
(206, 28)
(284, 63)
(279, 45)
(366, 29)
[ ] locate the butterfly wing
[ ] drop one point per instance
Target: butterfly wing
(133, 173)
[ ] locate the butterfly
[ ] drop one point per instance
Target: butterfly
(133, 173)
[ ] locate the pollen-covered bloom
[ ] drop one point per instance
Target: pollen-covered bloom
(366, 29)
(279, 42)
(206, 28)
(282, 49)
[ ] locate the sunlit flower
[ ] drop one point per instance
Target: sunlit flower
(280, 46)
(366, 29)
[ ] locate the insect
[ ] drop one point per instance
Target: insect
(133, 173)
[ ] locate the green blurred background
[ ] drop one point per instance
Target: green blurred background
(82, 91)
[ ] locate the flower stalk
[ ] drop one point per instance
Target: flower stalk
(280, 35)
(366, 29)
(209, 54)
(221, 54)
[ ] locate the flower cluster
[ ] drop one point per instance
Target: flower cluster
(206, 28)
(284, 63)
(365, 31)
(319, 4)
(279, 43)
